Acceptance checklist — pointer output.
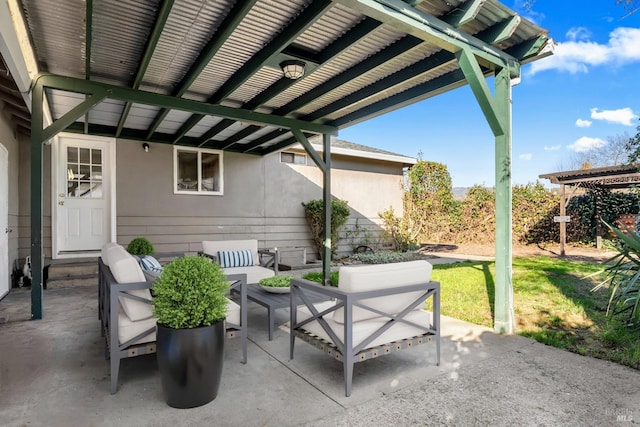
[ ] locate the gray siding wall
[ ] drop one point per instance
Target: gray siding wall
(262, 199)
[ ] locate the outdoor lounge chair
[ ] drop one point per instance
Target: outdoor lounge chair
(377, 309)
(126, 312)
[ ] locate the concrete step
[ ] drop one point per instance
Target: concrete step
(70, 274)
(70, 282)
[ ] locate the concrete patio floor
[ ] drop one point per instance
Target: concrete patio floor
(53, 373)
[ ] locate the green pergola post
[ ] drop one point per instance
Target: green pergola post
(497, 110)
(326, 196)
(503, 304)
(36, 202)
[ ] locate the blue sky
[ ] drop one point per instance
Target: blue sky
(573, 101)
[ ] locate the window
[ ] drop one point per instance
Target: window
(197, 171)
(295, 158)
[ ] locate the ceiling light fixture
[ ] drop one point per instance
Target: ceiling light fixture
(293, 69)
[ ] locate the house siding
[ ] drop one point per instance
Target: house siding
(262, 200)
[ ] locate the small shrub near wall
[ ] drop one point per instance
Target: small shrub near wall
(314, 212)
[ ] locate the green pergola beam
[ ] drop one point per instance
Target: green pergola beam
(354, 35)
(304, 20)
(464, 13)
(429, 28)
(501, 31)
(480, 89)
(369, 64)
(226, 28)
(302, 139)
(74, 114)
(71, 84)
(528, 49)
(429, 64)
(444, 83)
(154, 38)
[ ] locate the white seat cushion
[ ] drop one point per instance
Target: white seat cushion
(254, 274)
(233, 313)
(128, 329)
(363, 329)
(382, 276)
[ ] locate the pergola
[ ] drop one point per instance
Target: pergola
(609, 177)
(209, 74)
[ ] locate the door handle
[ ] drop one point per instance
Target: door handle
(8, 230)
(61, 203)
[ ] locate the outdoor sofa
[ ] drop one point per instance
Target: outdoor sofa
(243, 257)
(126, 313)
(376, 309)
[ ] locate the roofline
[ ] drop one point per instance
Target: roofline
(358, 153)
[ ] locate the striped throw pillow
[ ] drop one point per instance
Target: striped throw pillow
(235, 258)
(149, 263)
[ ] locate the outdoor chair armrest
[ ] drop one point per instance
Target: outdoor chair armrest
(272, 258)
(211, 257)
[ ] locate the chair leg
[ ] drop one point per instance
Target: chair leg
(115, 367)
(348, 375)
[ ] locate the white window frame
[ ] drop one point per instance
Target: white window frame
(198, 191)
(294, 158)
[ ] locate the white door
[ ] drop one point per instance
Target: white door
(4, 221)
(83, 197)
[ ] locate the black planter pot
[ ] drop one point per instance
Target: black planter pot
(190, 363)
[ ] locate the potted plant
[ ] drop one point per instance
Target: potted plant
(140, 246)
(276, 284)
(190, 305)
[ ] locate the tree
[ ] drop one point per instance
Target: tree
(633, 146)
(614, 153)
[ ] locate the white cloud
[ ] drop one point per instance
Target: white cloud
(552, 147)
(585, 144)
(583, 123)
(578, 54)
(578, 33)
(527, 156)
(622, 116)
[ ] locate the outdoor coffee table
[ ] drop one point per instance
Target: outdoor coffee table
(273, 301)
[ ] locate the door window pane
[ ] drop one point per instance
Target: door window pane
(84, 172)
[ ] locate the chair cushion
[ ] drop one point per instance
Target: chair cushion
(382, 276)
(108, 249)
(242, 258)
(233, 313)
(212, 247)
(125, 269)
(254, 273)
(362, 330)
(128, 329)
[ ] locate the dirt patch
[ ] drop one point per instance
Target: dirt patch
(577, 253)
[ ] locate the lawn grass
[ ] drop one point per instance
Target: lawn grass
(553, 304)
